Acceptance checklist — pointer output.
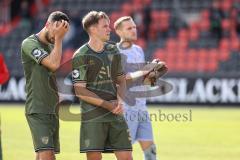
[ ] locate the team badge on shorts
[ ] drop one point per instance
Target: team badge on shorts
(45, 140)
(87, 142)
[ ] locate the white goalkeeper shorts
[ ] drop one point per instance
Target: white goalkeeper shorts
(139, 125)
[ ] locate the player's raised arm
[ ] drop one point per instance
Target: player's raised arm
(121, 90)
(52, 61)
(39, 57)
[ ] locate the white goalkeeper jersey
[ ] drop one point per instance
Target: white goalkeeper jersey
(134, 59)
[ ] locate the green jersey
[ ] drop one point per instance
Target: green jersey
(99, 71)
(42, 96)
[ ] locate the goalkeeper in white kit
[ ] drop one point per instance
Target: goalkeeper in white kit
(136, 114)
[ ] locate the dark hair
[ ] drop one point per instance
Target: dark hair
(92, 18)
(58, 16)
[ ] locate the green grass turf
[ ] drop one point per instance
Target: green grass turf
(213, 134)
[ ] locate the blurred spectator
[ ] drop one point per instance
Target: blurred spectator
(138, 17)
(215, 19)
(15, 8)
(147, 18)
(238, 24)
(4, 11)
(24, 9)
(235, 15)
(226, 6)
(79, 36)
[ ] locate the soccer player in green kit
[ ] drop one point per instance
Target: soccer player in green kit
(100, 84)
(41, 56)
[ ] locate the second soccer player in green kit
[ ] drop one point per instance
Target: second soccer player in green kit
(100, 84)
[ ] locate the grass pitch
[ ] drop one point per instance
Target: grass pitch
(211, 134)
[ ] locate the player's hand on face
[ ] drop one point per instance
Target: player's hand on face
(60, 29)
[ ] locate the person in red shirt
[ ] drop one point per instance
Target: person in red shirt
(4, 73)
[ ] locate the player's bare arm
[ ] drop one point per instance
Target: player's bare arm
(52, 61)
(133, 76)
(88, 96)
(121, 89)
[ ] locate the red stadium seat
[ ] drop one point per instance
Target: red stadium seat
(127, 9)
(181, 55)
(137, 1)
(164, 15)
(183, 34)
(226, 5)
(194, 25)
(193, 34)
(160, 54)
(223, 55)
(212, 65)
(152, 31)
(171, 44)
(163, 26)
(137, 5)
(141, 42)
(203, 54)
(191, 60)
(182, 45)
(180, 66)
(205, 14)
(160, 19)
(170, 60)
(160, 16)
(224, 44)
(213, 55)
(202, 58)
(155, 15)
(190, 67)
(147, 2)
(114, 16)
(234, 45)
(226, 24)
(204, 25)
(180, 60)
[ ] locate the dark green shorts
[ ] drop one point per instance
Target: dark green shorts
(105, 137)
(45, 131)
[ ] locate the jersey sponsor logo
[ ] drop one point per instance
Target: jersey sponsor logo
(105, 71)
(45, 140)
(75, 73)
(37, 53)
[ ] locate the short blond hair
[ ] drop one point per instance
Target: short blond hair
(119, 21)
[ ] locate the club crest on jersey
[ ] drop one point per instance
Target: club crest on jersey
(45, 140)
(75, 73)
(91, 62)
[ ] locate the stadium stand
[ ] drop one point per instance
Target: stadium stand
(192, 36)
